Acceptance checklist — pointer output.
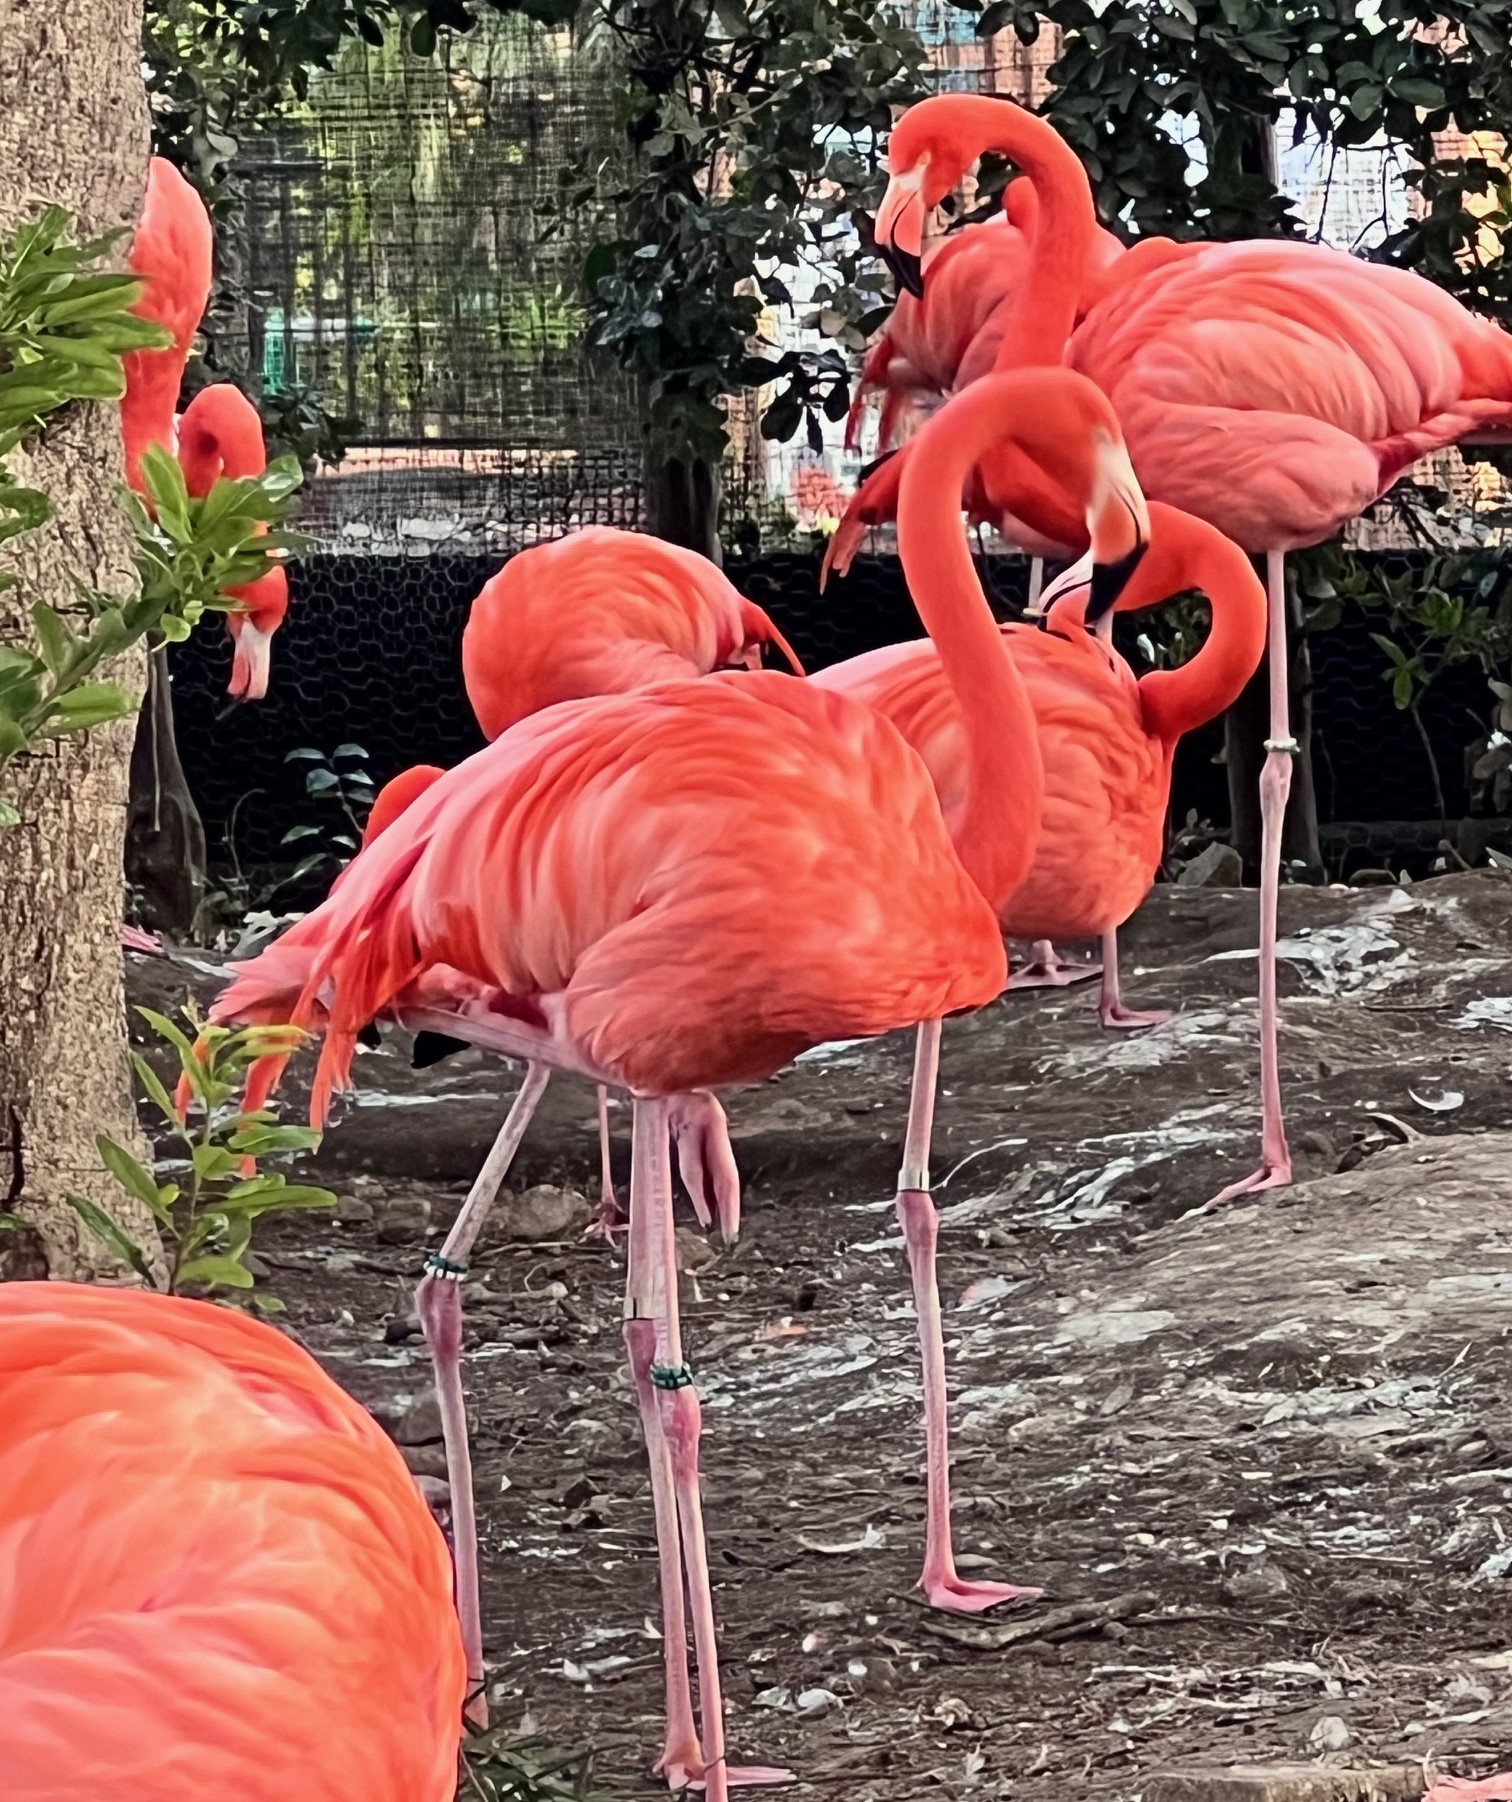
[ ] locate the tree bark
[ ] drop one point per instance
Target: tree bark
(73, 130)
(683, 504)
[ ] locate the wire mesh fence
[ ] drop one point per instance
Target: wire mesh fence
(398, 262)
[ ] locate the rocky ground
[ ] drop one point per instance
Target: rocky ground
(1259, 1460)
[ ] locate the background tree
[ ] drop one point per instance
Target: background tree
(73, 131)
(756, 126)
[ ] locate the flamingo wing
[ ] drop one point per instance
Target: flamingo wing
(1103, 825)
(607, 865)
(1277, 389)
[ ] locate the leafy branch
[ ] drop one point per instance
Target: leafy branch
(208, 1217)
(64, 328)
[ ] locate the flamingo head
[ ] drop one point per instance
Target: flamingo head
(1118, 523)
(263, 606)
(760, 630)
(931, 149)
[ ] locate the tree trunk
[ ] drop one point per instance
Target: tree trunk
(165, 837)
(682, 503)
(73, 130)
(1246, 726)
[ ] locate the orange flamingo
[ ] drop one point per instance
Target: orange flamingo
(172, 255)
(220, 434)
(572, 866)
(1106, 740)
(1275, 389)
(218, 1576)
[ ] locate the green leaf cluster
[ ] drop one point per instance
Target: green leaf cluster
(64, 325)
(755, 127)
(206, 1218)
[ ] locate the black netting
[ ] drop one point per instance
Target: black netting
(370, 654)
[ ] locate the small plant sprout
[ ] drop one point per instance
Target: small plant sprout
(343, 787)
(207, 1215)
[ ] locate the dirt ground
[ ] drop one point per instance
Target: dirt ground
(1263, 1457)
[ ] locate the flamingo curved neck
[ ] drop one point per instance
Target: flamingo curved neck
(1188, 553)
(1065, 231)
(997, 830)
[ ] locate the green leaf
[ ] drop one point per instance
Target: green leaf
(263, 1141)
(126, 1170)
(214, 1162)
(111, 1235)
(91, 704)
(216, 1273)
(53, 636)
(157, 1092)
(165, 1029)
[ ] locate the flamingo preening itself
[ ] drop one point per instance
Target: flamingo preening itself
(603, 874)
(1272, 388)
(217, 1577)
(936, 343)
(220, 434)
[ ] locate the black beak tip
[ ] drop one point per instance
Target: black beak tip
(1109, 580)
(907, 269)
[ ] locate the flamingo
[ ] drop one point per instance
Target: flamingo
(172, 254)
(217, 1577)
(604, 872)
(1273, 388)
(1106, 741)
(938, 343)
(220, 434)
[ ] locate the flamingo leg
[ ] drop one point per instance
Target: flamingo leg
(679, 1427)
(1110, 1008)
(1046, 969)
(682, 1755)
(609, 1220)
(1275, 1169)
(1036, 581)
(942, 1585)
(438, 1302)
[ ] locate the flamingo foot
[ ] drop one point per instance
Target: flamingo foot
(608, 1220)
(685, 1769)
(1047, 969)
(1118, 1018)
(1274, 1173)
(952, 1594)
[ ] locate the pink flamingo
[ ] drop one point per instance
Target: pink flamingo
(1274, 389)
(567, 869)
(219, 1578)
(220, 434)
(600, 612)
(934, 345)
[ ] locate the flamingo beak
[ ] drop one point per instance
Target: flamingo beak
(250, 662)
(1118, 523)
(899, 229)
(1066, 596)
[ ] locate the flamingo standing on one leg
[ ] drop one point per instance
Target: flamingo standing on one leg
(1275, 389)
(220, 434)
(571, 866)
(218, 1577)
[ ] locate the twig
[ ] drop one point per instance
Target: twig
(1073, 1621)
